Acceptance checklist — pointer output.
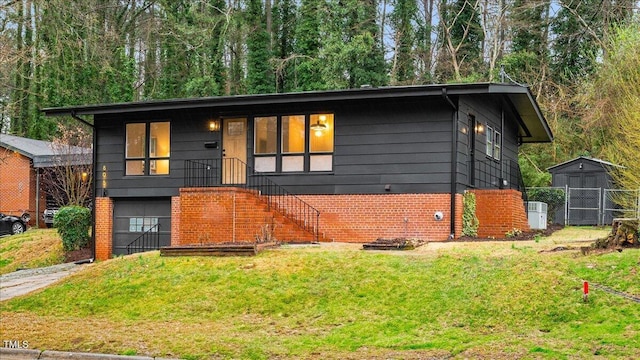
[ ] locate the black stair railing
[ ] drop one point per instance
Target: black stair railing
(516, 178)
(149, 240)
(234, 172)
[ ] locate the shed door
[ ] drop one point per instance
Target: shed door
(584, 199)
(132, 217)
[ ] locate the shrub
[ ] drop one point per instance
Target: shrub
(515, 232)
(470, 221)
(73, 224)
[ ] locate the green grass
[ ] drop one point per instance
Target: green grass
(31, 249)
(476, 300)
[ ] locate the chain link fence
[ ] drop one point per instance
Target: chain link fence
(586, 206)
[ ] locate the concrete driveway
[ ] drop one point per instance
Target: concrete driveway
(25, 281)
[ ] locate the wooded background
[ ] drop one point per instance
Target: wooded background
(580, 57)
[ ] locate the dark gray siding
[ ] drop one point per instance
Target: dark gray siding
(188, 136)
(487, 111)
(592, 173)
(402, 143)
(406, 145)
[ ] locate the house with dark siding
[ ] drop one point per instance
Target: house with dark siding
(346, 165)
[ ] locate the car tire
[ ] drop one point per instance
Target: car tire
(17, 228)
(49, 225)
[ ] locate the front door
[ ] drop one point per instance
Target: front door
(234, 151)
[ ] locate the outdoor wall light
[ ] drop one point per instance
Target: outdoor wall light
(214, 125)
(479, 128)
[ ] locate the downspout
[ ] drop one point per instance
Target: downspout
(93, 195)
(454, 161)
(502, 177)
(38, 198)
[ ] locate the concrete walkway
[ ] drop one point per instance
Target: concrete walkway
(25, 281)
(26, 354)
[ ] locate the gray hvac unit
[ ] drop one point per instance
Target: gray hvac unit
(537, 215)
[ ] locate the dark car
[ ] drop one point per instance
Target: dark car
(12, 225)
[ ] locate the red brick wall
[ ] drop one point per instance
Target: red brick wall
(175, 221)
(214, 215)
(104, 228)
(18, 186)
(500, 211)
(364, 218)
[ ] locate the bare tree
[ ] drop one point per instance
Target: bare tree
(460, 37)
(69, 180)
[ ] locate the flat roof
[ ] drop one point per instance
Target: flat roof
(533, 126)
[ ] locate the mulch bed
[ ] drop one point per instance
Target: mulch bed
(528, 235)
(393, 244)
(77, 255)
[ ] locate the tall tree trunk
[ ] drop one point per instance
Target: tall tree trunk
(17, 125)
(27, 69)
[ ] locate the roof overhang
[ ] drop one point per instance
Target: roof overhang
(533, 127)
(44, 154)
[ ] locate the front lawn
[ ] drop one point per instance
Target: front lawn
(477, 300)
(31, 249)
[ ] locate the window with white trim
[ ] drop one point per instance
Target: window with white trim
(494, 143)
(142, 224)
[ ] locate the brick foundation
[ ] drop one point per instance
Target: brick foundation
(214, 215)
(104, 228)
(364, 218)
(500, 211)
(175, 221)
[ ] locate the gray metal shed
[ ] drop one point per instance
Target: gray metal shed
(585, 180)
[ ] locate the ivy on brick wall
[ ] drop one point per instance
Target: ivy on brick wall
(470, 221)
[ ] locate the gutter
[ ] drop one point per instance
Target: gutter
(454, 161)
(93, 193)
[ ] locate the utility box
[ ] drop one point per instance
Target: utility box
(537, 211)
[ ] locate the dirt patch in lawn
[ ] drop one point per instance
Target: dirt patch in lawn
(77, 255)
(524, 235)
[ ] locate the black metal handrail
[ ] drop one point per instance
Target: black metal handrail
(234, 172)
(518, 180)
(488, 175)
(149, 240)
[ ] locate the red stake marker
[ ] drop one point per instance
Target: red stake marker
(585, 290)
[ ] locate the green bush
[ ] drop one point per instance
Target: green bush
(470, 221)
(73, 224)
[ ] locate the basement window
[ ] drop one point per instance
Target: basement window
(142, 224)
